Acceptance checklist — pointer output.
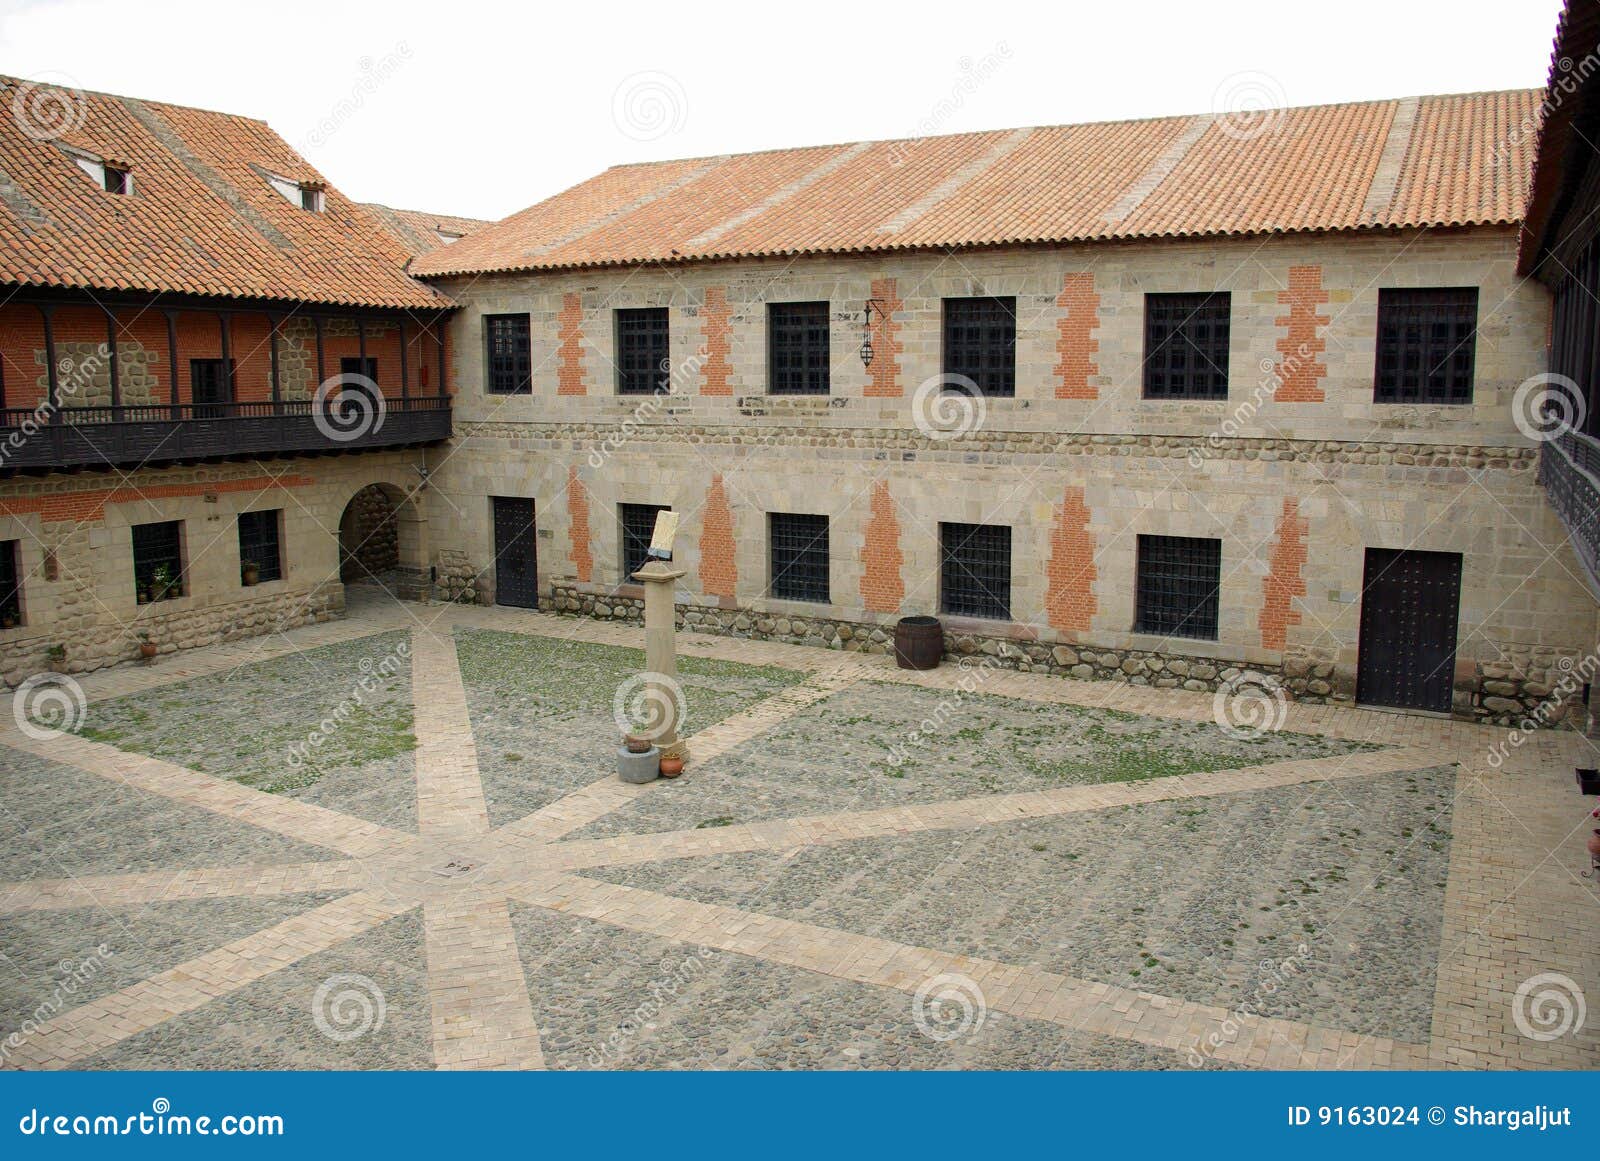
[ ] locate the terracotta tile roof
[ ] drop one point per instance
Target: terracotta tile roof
(1564, 155)
(418, 230)
(202, 218)
(1428, 161)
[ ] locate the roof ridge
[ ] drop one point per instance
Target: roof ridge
(10, 79)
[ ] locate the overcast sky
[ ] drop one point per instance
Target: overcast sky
(482, 109)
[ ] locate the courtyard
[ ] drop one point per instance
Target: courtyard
(398, 841)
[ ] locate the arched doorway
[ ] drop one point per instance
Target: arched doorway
(383, 543)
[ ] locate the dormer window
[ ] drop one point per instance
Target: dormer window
(305, 195)
(110, 176)
(117, 180)
(446, 237)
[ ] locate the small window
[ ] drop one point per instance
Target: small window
(108, 175)
(158, 560)
(638, 526)
(644, 355)
(446, 237)
(980, 343)
(311, 199)
(307, 197)
(1426, 341)
(975, 570)
(10, 585)
(211, 387)
(117, 180)
(799, 556)
(797, 348)
(259, 544)
(1177, 583)
(509, 354)
(1186, 346)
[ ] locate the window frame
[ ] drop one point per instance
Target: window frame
(1157, 588)
(965, 357)
(144, 569)
(628, 537)
(249, 542)
(1392, 302)
(955, 601)
(632, 380)
(518, 361)
(11, 580)
(793, 570)
(795, 338)
(1211, 309)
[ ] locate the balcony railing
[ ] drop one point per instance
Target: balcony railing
(1569, 468)
(134, 436)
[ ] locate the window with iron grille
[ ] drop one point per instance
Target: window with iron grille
(1425, 345)
(1186, 346)
(638, 526)
(158, 559)
(1178, 579)
(799, 556)
(508, 354)
(10, 585)
(644, 354)
(975, 570)
(797, 348)
(980, 343)
(259, 543)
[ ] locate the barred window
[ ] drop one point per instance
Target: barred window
(1177, 583)
(10, 584)
(259, 543)
(1426, 340)
(644, 354)
(799, 556)
(975, 570)
(158, 559)
(980, 343)
(797, 348)
(1186, 345)
(638, 526)
(508, 354)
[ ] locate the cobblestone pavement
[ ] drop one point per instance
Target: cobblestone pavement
(1063, 875)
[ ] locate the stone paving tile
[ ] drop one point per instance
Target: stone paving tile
(450, 796)
(251, 879)
(482, 1018)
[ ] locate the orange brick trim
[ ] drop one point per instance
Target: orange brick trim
(1299, 368)
(718, 573)
(1069, 595)
(882, 588)
(716, 331)
(1075, 341)
(1283, 581)
(570, 374)
(886, 346)
(77, 507)
(578, 532)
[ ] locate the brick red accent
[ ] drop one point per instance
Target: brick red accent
(716, 331)
(78, 507)
(884, 381)
(1075, 341)
(718, 572)
(570, 374)
(882, 588)
(1299, 368)
(1283, 581)
(578, 533)
(1070, 603)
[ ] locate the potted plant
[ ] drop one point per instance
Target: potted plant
(147, 647)
(57, 654)
(1594, 840)
(8, 619)
(163, 585)
(144, 594)
(672, 767)
(249, 572)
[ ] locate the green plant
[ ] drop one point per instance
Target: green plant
(58, 652)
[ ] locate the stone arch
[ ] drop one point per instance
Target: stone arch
(383, 539)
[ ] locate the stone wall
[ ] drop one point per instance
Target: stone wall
(369, 537)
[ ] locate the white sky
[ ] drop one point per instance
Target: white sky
(456, 106)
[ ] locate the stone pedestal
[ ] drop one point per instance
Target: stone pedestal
(661, 649)
(638, 768)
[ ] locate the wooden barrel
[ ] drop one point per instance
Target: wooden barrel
(918, 642)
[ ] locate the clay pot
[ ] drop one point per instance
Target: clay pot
(148, 649)
(1594, 844)
(672, 767)
(251, 577)
(636, 744)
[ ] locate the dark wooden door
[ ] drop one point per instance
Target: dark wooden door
(516, 556)
(210, 387)
(1409, 605)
